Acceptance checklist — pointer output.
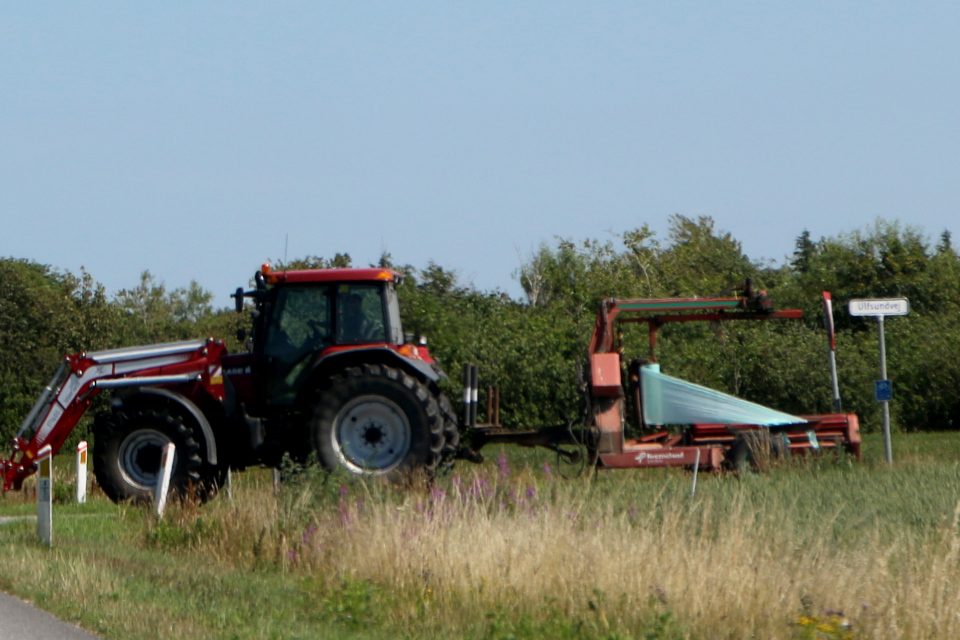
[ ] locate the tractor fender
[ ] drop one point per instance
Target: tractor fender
(424, 370)
(195, 413)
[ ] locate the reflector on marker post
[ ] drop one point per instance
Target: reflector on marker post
(163, 482)
(82, 472)
(45, 495)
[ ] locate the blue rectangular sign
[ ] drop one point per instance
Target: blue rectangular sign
(883, 390)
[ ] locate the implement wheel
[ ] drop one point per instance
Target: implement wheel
(377, 420)
(756, 450)
(127, 449)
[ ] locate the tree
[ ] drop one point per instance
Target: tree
(154, 315)
(45, 314)
(338, 261)
(700, 261)
(804, 253)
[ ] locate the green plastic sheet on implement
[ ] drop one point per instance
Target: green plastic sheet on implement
(669, 400)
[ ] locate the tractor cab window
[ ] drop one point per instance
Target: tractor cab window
(298, 327)
(394, 329)
(360, 314)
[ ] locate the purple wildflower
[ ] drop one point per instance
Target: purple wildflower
(547, 471)
(343, 490)
(503, 466)
(292, 555)
(531, 492)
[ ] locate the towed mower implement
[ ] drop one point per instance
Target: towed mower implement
(710, 429)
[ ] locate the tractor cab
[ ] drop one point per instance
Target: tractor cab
(303, 316)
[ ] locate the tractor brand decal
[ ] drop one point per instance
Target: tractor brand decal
(654, 457)
(238, 371)
(51, 421)
(74, 383)
(69, 390)
(216, 374)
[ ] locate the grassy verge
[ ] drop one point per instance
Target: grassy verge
(823, 549)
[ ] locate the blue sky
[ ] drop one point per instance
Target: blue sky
(197, 140)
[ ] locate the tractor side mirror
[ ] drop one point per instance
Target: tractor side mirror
(241, 335)
(239, 298)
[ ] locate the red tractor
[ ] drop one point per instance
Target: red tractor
(328, 370)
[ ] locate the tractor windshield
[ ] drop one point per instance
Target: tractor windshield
(298, 326)
(360, 313)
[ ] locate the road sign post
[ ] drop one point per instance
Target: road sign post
(880, 308)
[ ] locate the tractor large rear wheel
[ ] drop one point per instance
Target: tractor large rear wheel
(451, 430)
(377, 420)
(127, 450)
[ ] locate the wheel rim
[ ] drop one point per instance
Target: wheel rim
(139, 457)
(371, 435)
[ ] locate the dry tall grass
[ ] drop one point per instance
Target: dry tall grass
(531, 546)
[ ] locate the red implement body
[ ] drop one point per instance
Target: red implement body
(711, 444)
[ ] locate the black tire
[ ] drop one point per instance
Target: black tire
(377, 420)
(127, 450)
(739, 455)
(451, 429)
(756, 450)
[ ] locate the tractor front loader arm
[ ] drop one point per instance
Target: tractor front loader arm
(82, 376)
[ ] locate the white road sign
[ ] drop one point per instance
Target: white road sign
(879, 307)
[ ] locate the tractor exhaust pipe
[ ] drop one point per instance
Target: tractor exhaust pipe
(471, 375)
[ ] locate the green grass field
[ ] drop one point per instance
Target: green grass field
(508, 549)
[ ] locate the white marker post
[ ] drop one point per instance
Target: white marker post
(163, 481)
(696, 469)
(884, 389)
(831, 334)
(45, 495)
(82, 472)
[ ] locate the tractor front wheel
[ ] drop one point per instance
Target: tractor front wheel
(127, 451)
(377, 420)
